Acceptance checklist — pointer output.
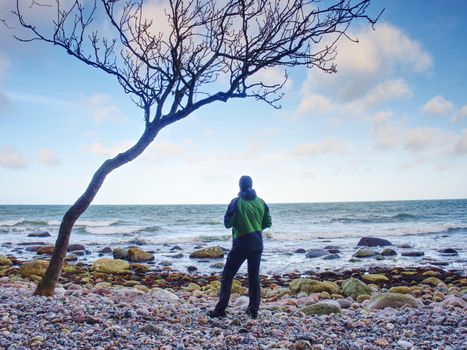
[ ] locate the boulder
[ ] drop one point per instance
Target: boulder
(105, 250)
(162, 294)
(74, 247)
(35, 267)
(139, 255)
(325, 307)
(39, 234)
(47, 250)
(413, 253)
(300, 251)
(393, 300)
(432, 281)
(309, 286)
(448, 251)
(353, 287)
(215, 252)
(388, 252)
(107, 265)
(331, 257)
(374, 278)
(364, 253)
(218, 265)
(373, 242)
(120, 253)
(4, 261)
(316, 253)
(400, 290)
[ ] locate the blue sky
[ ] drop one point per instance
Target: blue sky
(391, 124)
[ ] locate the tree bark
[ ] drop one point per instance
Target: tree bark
(47, 285)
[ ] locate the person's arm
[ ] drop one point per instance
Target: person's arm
(267, 221)
(229, 217)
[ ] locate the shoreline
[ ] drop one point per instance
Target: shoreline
(167, 310)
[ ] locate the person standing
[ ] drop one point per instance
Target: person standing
(247, 215)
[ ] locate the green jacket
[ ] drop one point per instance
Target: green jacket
(247, 214)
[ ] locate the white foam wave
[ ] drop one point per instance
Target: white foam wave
(11, 223)
(102, 223)
(374, 231)
(113, 230)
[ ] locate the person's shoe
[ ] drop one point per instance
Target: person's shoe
(216, 314)
(252, 314)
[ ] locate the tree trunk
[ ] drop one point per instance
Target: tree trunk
(47, 285)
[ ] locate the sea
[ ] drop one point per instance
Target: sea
(428, 226)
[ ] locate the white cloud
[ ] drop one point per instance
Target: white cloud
(314, 104)
(102, 108)
(48, 157)
(314, 149)
(438, 105)
(461, 145)
(381, 49)
(11, 158)
(421, 139)
(385, 91)
(271, 76)
(460, 114)
(366, 70)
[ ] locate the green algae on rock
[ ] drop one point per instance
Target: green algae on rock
(353, 287)
(107, 265)
(138, 255)
(394, 300)
(322, 308)
(309, 286)
(35, 267)
(215, 252)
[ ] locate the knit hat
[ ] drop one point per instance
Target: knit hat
(245, 182)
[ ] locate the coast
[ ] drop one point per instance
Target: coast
(136, 308)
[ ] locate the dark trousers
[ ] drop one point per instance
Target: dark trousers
(235, 259)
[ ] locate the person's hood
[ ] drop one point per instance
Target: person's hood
(248, 194)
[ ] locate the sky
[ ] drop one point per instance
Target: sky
(391, 124)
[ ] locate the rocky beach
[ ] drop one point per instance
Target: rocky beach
(123, 300)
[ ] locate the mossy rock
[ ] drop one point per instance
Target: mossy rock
(400, 290)
(35, 267)
(462, 282)
(361, 298)
(431, 273)
(322, 308)
(139, 268)
(408, 273)
(237, 287)
(4, 261)
(120, 253)
(192, 286)
(324, 295)
(364, 253)
(432, 281)
(215, 252)
(375, 278)
(309, 286)
(138, 255)
(46, 250)
(388, 252)
(393, 300)
(353, 287)
(113, 266)
(141, 287)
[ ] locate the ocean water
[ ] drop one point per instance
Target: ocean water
(427, 226)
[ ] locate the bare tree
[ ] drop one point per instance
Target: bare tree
(210, 53)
